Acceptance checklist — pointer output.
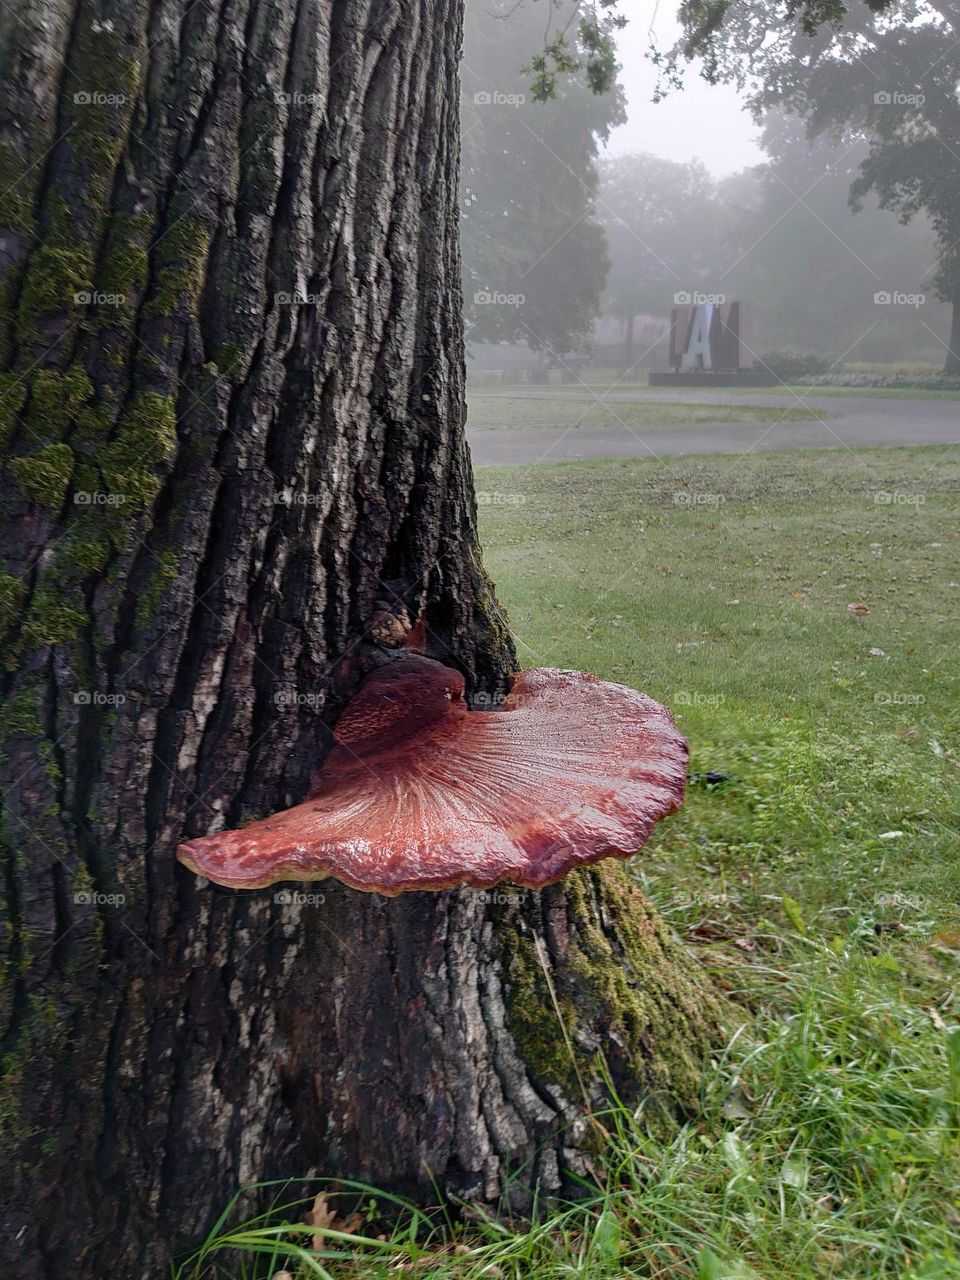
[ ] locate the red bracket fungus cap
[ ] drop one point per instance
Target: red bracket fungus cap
(419, 792)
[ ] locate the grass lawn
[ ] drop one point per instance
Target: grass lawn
(818, 881)
(721, 587)
(493, 413)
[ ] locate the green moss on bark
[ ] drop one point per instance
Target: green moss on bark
(163, 576)
(227, 360)
(123, 269)
(57, 275)
(16, 190)
(93, 425)
(55, 616)
(147, 438)
(13, 396)
(21, 715)
(41, 1033)
(44, 475)
(100, 89)
(12, 592)
(539, 1033)
(100, 94)
(181, 264)
(491, 612)
(55, 400)
(625, 990)
(86, 550)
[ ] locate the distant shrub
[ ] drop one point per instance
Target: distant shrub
(904, 381)
(793, 366)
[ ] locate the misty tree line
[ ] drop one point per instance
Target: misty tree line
(845, 239)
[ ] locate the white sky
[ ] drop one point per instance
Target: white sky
(703, 121)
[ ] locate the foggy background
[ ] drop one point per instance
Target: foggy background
(584, 216)
(705, 122)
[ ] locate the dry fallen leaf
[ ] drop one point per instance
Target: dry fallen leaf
(325, 1219)
(738, 1106)
(935, 1018)
(858, 610)
(709, 931)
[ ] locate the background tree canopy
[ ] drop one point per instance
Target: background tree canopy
(528, 183)
(880, 75)
(860, 121)
(781, 235)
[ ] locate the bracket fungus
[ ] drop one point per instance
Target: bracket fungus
(420, 792)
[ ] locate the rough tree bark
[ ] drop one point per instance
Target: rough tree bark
(232, 411)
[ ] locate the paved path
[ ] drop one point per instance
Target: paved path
(848, 421)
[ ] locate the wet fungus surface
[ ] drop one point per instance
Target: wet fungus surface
(419, 792)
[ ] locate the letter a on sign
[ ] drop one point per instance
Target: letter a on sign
(697, 354)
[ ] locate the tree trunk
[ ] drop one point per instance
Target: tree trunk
(628, 353)
(232, 411)
(952, 363)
